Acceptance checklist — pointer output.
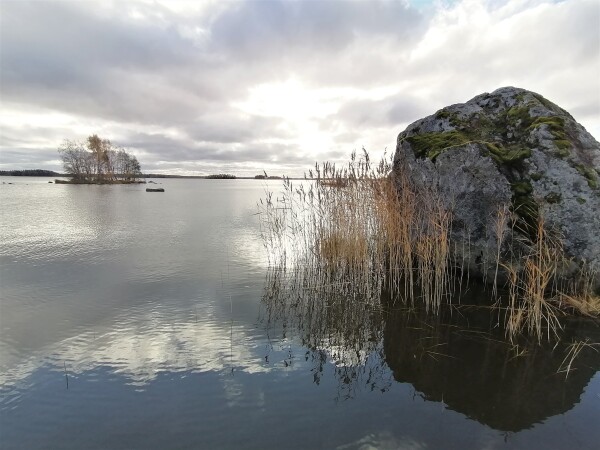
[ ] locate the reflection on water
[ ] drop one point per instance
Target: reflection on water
(458, 357)
(333, 324)
(157, 311)
(457, 361)
(107, 275)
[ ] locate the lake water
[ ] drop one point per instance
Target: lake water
(134, 320)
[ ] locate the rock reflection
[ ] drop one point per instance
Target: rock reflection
(458, 358)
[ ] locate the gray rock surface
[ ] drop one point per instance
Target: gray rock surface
(513, 150)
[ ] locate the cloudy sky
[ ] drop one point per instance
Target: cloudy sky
(241, 87)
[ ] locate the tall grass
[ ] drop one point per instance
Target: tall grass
(357, 224)
(360, 227)
(532, 288)
(538, 293)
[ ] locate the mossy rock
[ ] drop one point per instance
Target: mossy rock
(556, 125)
(544, 160)
(519, 114)
(589, 174)
(431, 145)
(525, 207)
(443, 114)
(553, 197)
(507, 155)
(521, 188)
(564, 148)
(536, 176)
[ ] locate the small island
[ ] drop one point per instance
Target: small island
(221, 176)
(98, 161)
(267, 177)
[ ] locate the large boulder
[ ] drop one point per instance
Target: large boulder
(512, 151)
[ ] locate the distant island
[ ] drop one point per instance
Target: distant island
(265, 177)
(29, 173)
(222, 176)
(98, 161)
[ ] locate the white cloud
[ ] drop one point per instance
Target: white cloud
(209, 86)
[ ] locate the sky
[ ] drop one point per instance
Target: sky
(195, 88)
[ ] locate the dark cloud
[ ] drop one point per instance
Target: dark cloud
(259, 30)
(30, 158)
(68, 57)
(227, 128)
(155, 148)
(59, 44)
(393, 110)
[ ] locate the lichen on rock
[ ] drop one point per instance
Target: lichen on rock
(509, 148)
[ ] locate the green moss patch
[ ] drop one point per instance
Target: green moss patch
(430, 145)
(519, 113)
(521, 188)
(525, 207)
(556, 126)
(536, 176)
(443, 114)
(563, 148)
(451, 116)
(589, 174)
(554, 123)
(507, 156)
(553, 197)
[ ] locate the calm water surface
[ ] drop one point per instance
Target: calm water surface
(151, 320)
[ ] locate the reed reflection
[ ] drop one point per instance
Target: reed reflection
(458, 357)
(339, 323)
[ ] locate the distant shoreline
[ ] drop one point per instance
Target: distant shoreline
(50, 173)
(30, 173)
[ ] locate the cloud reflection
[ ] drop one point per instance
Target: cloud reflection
(153, 343)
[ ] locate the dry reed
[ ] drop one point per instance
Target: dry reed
(573, 351)
(532, 289)
(361, 227)
(358, 224)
